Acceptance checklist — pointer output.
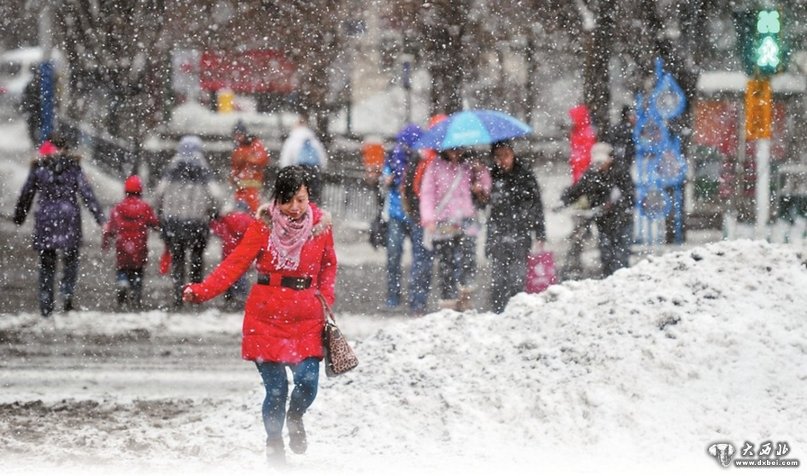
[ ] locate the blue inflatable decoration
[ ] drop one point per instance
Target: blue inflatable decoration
(660, 165)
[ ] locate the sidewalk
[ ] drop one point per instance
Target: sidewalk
(361, 283)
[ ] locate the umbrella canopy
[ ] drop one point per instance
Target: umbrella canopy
(409, 135)
(473, 127)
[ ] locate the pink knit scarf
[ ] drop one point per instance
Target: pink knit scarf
(288, 237)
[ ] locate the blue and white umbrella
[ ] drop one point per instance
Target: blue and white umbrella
(473, 127)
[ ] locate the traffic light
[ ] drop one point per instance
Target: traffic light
(769, 55)
(761, 41)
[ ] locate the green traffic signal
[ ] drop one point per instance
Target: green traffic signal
(768, 22)
(768, 53)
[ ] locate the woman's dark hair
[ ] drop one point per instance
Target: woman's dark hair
(288, 182)
(463, 155)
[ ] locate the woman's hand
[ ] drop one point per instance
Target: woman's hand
(188, 295)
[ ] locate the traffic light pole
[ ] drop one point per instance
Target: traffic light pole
(758, 128)
(763, 187)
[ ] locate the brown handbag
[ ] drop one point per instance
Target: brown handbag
(339, 357)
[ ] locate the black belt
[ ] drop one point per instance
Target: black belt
(291, 282)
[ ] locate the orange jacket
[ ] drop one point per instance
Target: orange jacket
(248, 163)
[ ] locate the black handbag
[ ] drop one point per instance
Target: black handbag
(339, 356)
(378, 232)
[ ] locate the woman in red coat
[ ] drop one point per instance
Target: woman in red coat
(292, 246)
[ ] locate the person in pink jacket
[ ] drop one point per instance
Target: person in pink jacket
(449, 219)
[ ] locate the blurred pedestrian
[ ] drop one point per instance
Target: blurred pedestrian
(59, 180)
(610, 190)
(129, 222)
(249, 161)
(230, 228)
(581, 140)
(516, 216)
(620, 137)
(373, 157)
(303, 148)
(404, 221)
(292, 246)
(187, 198)
(31, 106)
(450, 222)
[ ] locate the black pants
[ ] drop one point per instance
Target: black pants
(183, 238)
(47, 274)
(508, 269)
(130, 284)
(457, 258)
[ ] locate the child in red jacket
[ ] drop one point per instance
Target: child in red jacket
(128, 223)
(230, 228)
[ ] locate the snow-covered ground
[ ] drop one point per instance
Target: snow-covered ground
(638, 373)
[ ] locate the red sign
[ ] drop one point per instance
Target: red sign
(252, 71)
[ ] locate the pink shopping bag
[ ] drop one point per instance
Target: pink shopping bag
(540, 272)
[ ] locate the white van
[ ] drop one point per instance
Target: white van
(16, 71)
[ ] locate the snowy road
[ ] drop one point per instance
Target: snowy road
(122, 368)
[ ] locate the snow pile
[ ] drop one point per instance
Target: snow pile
(636, 373)
(651, 365)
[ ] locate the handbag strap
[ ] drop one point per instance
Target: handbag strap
(449, 193)
(326, 308)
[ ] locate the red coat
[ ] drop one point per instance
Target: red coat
(280, 324)
(230, 229)
(129, 221)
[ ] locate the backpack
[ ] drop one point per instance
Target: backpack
(308, 155)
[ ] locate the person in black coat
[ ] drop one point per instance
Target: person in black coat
(31, 105)
(609, 188)
(57, 182)
(516, 215)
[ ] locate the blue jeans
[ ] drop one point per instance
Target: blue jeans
(47, 275)
(421, 273)
(306, 381)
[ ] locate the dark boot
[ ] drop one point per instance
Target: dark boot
(121, 298)
(68, 304)
(297, 439)
(275, 453)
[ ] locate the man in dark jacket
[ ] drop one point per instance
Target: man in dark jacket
(31, 105)
(59, 180)
(609, 188)
(516, 213)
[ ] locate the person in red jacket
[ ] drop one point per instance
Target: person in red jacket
(249, 161)
(128, 224)
(230, 228)
(581, 140)
(292, 246)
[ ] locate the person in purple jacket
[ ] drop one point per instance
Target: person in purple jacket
(59, 180)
